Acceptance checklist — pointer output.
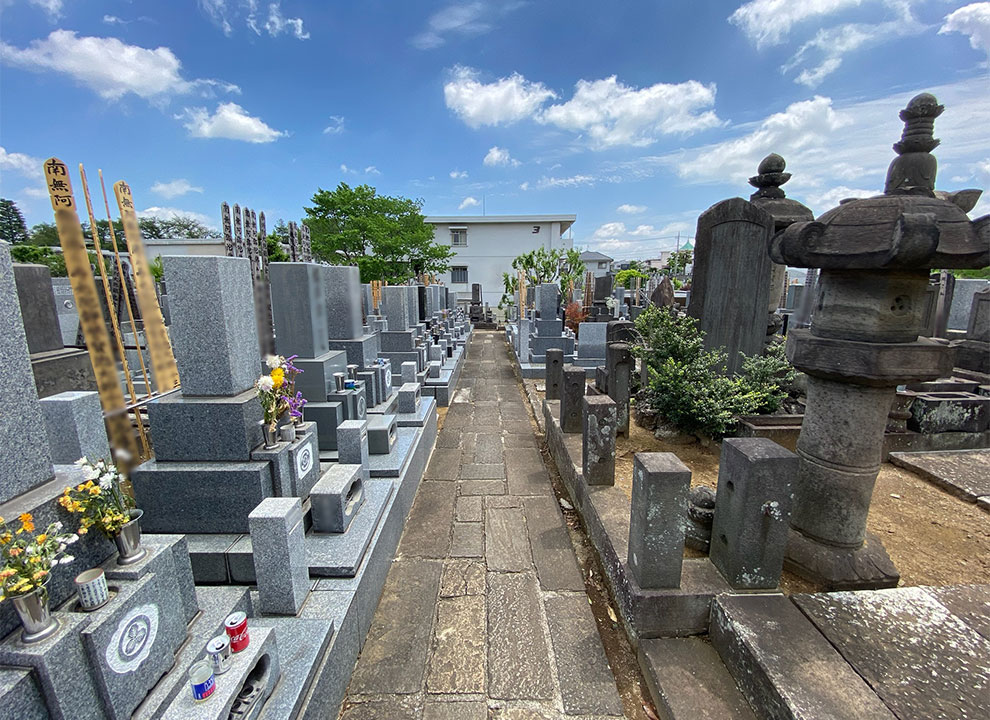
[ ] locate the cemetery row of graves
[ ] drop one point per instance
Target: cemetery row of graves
(253, 435)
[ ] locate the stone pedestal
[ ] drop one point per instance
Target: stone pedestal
(572, 394)
(278, 546)
(658, 512)
(74, 425)
(554, 373)
(598, 442)
(619, 368)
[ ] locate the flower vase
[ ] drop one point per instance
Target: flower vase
(271, 436)
(32, 609)
(128, 540)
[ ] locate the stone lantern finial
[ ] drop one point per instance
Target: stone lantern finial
(771, 176)
(913, 171)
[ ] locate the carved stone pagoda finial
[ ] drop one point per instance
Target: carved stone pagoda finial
(913, 170)
(771, 176)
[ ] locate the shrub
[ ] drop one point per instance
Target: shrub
(574, 315)
(686, 385)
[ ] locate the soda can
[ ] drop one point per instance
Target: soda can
(201, 680)
(237, 630)
(218, 653)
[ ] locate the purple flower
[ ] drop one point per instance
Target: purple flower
(296, 404)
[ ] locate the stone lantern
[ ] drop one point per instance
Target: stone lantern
(875, 255)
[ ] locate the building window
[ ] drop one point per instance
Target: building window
(458, 237)
(458, 275)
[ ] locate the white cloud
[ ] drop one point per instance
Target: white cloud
(109, 67)
(456, 174)
(627, 209)
(113, 20)
(499, 157)
(819, 202)
(372, 170)
(524, 186)
(278, 23)
(346, 170)
(461, 20)
(336, 125)
(23, 164)
(643, 241)
(768, 22)
(468, 202)
(170, 213)
(505, 101)
(611, 113)
(972, 20)
(572, 181)
(174, 188)
(230, 121)
(52, 7)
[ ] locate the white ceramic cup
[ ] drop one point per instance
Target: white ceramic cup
(91, 585)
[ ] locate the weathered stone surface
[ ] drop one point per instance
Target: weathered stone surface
(553, 555)
(969, 603)
(518, 656)
(783, 666)
(481, 487)
(572, 393)
(468, 509)
(468, 540)
(393, 707)
(482, 471)
(598, 441)
(444, 465)
(394, 656)
(458, 661)
(960, 472)
(657, 520)
(506, 540)
(921, 660)
(427, 531)
(525, 472)
(455, 709)
(688, 681)
(554, 373)
(586, 682)
(488, 449)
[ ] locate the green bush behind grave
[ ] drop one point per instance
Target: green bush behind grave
(686, 385)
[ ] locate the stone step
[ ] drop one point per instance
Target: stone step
(302, 645)
(785, 668)
(687, 680)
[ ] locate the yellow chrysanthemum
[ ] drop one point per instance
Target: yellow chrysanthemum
(40, 574)
(278, 377)
(6, 538)
(27, 522)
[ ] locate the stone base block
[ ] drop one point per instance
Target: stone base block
(340, 554)
(327, 416)
(937, 412)
(207, 429)
(425, 410)
(398, 341)
(295, 465)
(167, 557)
(59, 371)
(360, 351)
(20, 695)
(549, 328)
(865, 568)
(336, 498)
(538, 345)
(74, 423)
(316, 380)
(382, 434)
(392, 464)
(200, 497)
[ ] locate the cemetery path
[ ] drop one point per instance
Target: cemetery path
(484, 613)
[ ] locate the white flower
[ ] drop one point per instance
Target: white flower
(71, 539)
(65, 560)
(265, 383)
(81, 462)
(106, 482)
(273, 361)
(57, 525)
(92, 474)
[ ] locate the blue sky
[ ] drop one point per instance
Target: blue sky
(636, 116)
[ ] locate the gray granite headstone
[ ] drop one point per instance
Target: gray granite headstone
(979, 317)
(367, 297)
(547, 300)
(412, 293)
(571, 395)
(408, 372)
(213, 328)
(25, 460)
(37, 300)
(395, 298)
(65, 306)
(591, 339)
(962, 301)
(75, 427)
(752, 512)
(657, 520)
(352, 444)
(299, 308)
(279, 549)
(598, 442)
(344, 298)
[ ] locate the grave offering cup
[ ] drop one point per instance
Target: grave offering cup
(875, 255)
(91, 587)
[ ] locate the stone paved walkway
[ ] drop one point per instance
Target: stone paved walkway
(484, 613)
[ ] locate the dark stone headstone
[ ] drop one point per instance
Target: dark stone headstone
(603, 287)
(37, 301)
(572, 392)
(554, 373)
(598, 441)
(658, 510)
(619, 364)
(663, 296)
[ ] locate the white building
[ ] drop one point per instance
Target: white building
(486, 245)
(596, 263)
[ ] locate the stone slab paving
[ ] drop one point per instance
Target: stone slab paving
(963, 473)
(484, 613)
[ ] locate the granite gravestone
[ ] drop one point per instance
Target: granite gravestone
(657, 519)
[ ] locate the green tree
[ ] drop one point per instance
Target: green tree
(44, 234)
(275, 251)
(39, 255)
(560, 265)
(12, 227)
(624, 278)
(679, 260)
(386, 237)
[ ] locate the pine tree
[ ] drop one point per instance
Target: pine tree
(12, 227)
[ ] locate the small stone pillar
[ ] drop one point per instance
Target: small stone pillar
(74, 421)
(279, 550)
(658, 514)
(410, 395)
(598, 443)
(554, 373)
(408, 372)
(752, 512)
(572, 392)
(619, 363)
(352, 445)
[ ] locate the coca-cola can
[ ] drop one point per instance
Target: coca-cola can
(237, 630)
(218, 653)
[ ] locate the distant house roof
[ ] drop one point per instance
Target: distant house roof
(592, 256)
(565, 220)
